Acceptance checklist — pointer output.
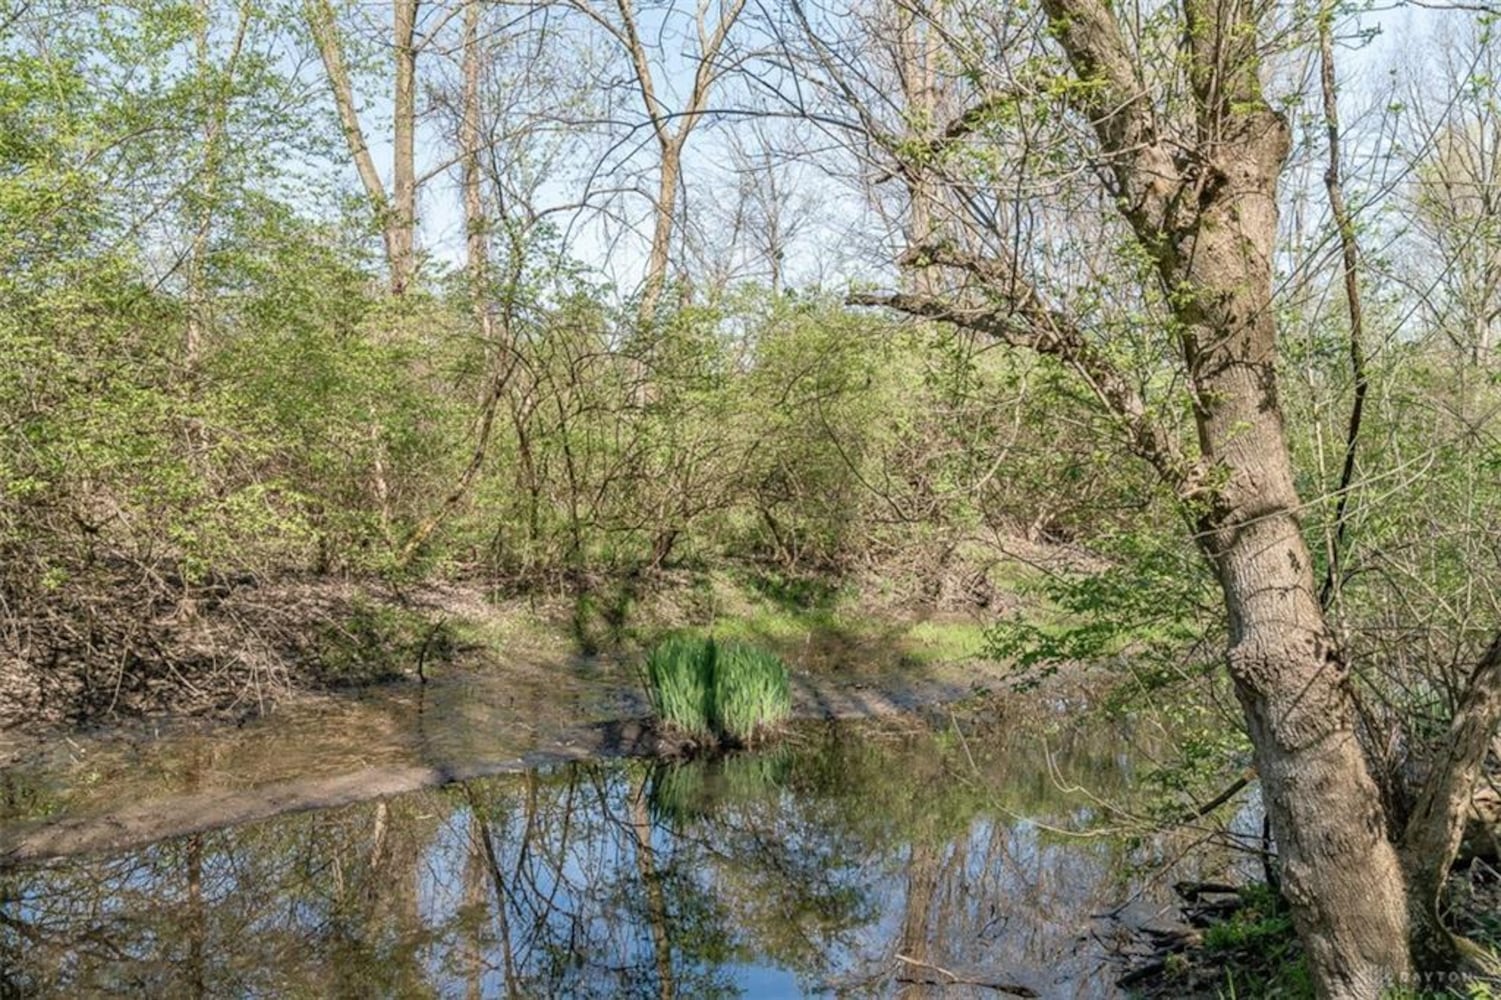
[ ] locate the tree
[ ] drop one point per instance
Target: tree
(396, 211)
(669, 128)
(1180, 143)
(216, 97)
(477, 268)
(1457, 200)
(917, 53)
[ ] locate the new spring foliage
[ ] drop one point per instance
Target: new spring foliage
(724, 692)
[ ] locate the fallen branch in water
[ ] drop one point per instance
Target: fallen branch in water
(954, 979)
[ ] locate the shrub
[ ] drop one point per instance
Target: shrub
(717, 692)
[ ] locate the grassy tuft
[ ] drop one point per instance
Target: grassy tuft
(751, 691)
(679, 673)
(717, 692)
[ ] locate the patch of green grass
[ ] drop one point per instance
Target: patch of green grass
(1259, 949)
(678, 677)
(750, 690)
(725, 692)
(796, 593)
(765, 623)
(940, 642)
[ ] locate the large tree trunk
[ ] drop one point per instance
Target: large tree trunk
(1210, 222)
(1339, 872)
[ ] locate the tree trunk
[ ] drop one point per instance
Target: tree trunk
(917, 60)
(1210, 223)
(396, 215)
(1437, 824)
(403, 221)
(477, 228)
(1339, 872)
(661, 238)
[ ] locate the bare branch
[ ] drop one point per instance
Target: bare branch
(1350, 255)
(1113, 96)
(1023, 319)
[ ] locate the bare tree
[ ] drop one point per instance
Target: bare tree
(396, 210)
(477, 247)
(670, 128)
(748, 227)
(1458, 193)
(215, 124)
(918, 52)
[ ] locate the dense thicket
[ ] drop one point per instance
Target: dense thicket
(210, 386)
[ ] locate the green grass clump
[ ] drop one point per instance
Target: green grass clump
(679, 673)
(750, 691)
(717, 692)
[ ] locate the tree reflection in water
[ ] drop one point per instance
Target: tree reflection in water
(844, 863)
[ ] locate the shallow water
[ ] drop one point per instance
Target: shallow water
(857, 860)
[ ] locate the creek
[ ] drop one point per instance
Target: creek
(856, 858)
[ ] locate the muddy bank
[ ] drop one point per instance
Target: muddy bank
(228, 649)
(137, 824)
(404, 690)
(261, 648)
(232, 647)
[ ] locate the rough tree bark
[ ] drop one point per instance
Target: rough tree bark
(1201, 200)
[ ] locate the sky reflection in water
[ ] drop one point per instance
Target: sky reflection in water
(852, 862)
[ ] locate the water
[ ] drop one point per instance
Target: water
(856, 860)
